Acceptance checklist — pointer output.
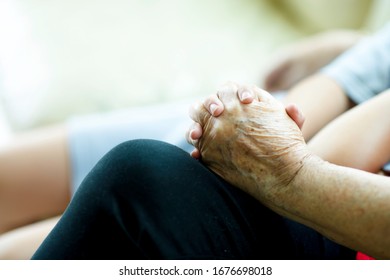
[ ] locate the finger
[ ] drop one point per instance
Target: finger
(228, 93)
(198, 113)
(195, 153)
(196, 131)
(193, 134)
(296, 115)
(245, 95)
(262, 95)
(214, 105)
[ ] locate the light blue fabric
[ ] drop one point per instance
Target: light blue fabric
(364, 70)
(92, 136)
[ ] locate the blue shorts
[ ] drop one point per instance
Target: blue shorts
(92, 136)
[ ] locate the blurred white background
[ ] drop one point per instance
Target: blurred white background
(62, 58)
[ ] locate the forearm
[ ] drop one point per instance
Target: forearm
(320, 99)
(303, 58)
(359, 138)
(349, 206)
(324, 47)
(336, 42)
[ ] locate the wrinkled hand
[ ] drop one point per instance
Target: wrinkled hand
(248, 138)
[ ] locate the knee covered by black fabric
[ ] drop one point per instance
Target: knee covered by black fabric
(179, 209)
(148, 199)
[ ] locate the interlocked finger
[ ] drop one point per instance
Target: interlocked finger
(194, 133)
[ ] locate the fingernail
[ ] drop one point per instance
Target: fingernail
(213, 108)
(191, 134)
(246, 95)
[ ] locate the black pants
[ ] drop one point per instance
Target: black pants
(150, 200)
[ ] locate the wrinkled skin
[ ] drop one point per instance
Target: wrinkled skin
(256, 147)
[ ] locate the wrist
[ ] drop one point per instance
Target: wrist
(309, 164)
(290, 197)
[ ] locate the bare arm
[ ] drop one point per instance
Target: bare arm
(349, 206)
(300, 59)
(321, 100)
(361, 73)
(359, 138)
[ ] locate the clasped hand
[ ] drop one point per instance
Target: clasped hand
(249, 138)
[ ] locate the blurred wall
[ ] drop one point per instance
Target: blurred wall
(316, 15)
(63, 58)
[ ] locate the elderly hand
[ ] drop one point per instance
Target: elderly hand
(248, 138)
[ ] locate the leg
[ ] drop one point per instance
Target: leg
(359, 138)
(21, 243)
(34, 180)
(51, 160)
(147, 199)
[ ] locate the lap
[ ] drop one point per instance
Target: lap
(148, 199)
